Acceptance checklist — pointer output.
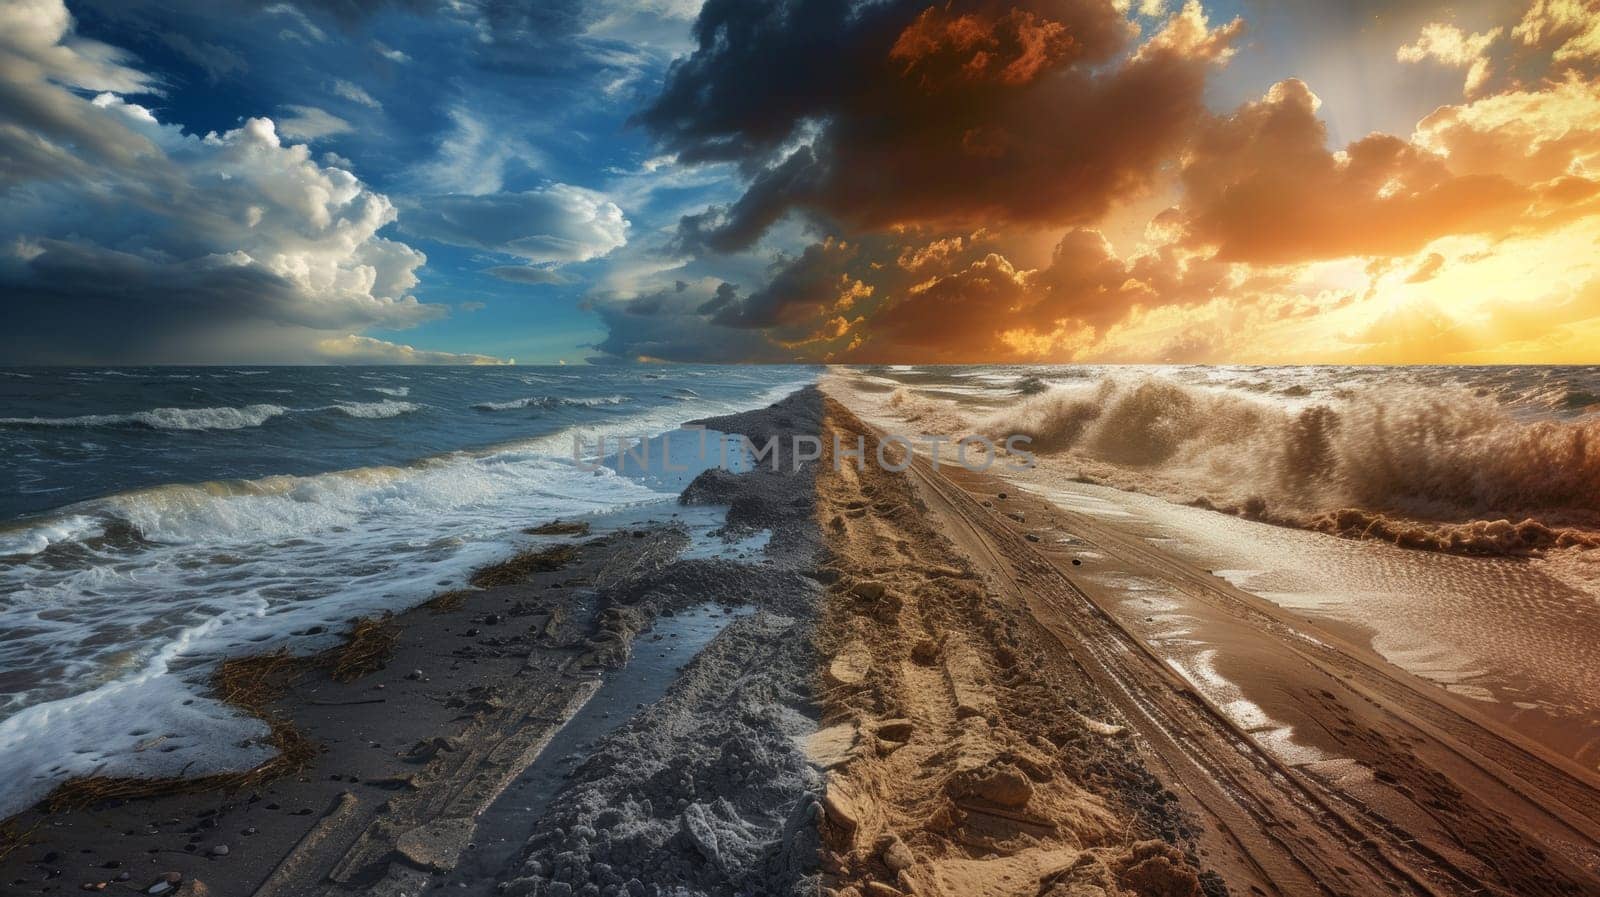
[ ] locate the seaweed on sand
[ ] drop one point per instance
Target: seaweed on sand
(367, 650)
(252, 684)
(523, 566)
(558, 528)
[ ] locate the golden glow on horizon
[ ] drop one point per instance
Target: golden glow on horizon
(1472, 241)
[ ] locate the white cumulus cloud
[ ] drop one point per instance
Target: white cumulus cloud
(355, 349)
(1449, 45)
(551, 225)
(130, 239)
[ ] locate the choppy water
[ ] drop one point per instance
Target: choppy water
(161, 518)
(1530, 390)
(165, 517)
(1425, 454)
(1440, 449)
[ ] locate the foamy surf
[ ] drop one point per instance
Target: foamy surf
(551, 402)
(1442, 452)
(118, 606)
(220, 569)
(1491, 461)
(211, 418)
(162, 418)
(374, 410)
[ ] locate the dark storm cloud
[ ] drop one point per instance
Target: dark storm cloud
(915, 139)
(726, 295)
(723, 229)
(68, 302)
(895, 113)
(668, 325)
(800, 290)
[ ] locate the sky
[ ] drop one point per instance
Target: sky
(861, 181)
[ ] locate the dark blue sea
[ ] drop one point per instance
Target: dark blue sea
(158, 519)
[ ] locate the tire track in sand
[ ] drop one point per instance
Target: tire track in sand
(965, 755)
(1271, 827)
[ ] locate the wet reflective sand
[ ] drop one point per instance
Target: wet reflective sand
(1522, 645)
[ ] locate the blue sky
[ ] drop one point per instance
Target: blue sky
(420, 103)
(566, 191)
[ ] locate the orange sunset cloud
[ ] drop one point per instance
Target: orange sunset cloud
(971, 176)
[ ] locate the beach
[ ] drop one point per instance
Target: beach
(801, 448)
(459, 719)
(879, 675)
(1425, 769)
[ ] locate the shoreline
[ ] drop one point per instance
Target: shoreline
(374, 735)
(928, 682)
(1403, 785)
(1513, 635)
(1507, 532)
(480, 680)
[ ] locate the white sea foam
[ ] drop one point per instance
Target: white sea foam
(551, 402)
(163, 418)
(398, 392)
(374, 410)
(32, 539)
(222, 418)
(148, 723)
(1474, 461)
(118, 646)
(1441, 451)
(228, 568)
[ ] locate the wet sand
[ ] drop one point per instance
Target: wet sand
(468, 695)
(1506, 633)
(967, 753)
(1288, 722)
(1521, 646)
(498, 706)
(931, 682)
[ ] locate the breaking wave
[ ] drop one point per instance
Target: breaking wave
(374, 410)
(163, 419)
(223, 418)
(1444, 468)
(1032, 385)
(550, 402)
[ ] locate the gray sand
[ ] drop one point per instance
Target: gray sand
(709, 791)
(408, 762)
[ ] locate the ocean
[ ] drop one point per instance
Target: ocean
(163, 518)
(1423, 456)
(1447, 519)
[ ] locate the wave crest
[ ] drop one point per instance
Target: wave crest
(551, 402)
(1486, 537)
(163, 418)
(1455, 459)
(374, 410)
